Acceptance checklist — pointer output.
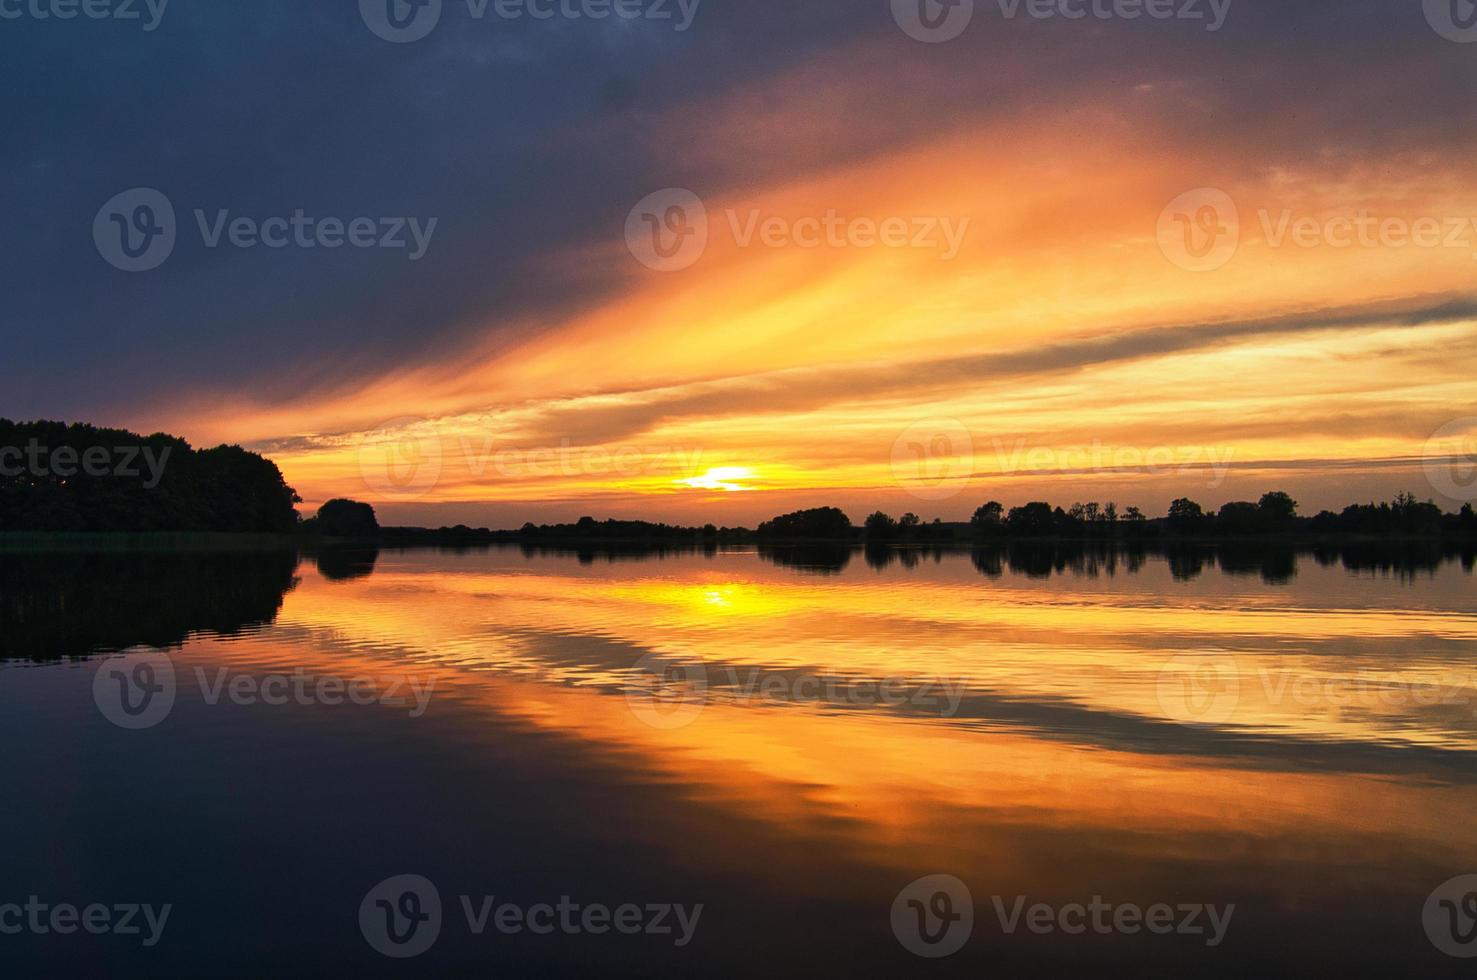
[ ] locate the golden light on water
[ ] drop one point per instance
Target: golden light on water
(916, 783)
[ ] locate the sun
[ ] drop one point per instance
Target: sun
(726, 478)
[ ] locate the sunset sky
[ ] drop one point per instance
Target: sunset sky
(1004, 306)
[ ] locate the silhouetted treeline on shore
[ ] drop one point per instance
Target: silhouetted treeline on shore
(56, 477)
(1274, 516)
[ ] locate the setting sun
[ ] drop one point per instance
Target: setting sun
(725, 478)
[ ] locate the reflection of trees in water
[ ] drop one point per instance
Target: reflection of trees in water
(1043, 559)
(613, 552)
(72, 605)
(343, 564)
(1406, 560)
(880, 555)
(1275, 564)
(819, 558)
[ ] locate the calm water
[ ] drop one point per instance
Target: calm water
(790, 742)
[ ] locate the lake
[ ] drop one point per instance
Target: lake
(1041, 761)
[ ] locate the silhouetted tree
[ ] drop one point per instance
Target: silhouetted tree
(822, 523)
(347, 519)
(880, 525)
(1185, 515)
(1032, 520)
(1239, 517)
(59, 477)
(1277, 510)
(989, 517)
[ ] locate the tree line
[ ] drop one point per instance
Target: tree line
(82, 478)
(1274, 514)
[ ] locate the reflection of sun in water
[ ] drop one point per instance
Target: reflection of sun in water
(725, 478)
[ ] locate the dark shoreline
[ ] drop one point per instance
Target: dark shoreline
(412, 538)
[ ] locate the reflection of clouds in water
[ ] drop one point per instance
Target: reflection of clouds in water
(1074, 660)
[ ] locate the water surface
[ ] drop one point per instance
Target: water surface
(789, 740)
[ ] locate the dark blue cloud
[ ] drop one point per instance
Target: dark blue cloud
(522, 137)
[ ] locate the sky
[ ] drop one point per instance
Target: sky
(720, 260)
